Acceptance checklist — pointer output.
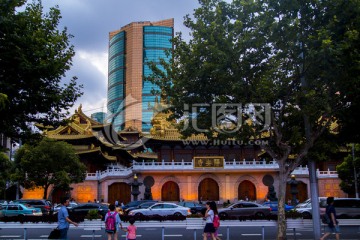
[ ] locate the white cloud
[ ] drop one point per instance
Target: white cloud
(96, 59)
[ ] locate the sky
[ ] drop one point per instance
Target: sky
(90, 22)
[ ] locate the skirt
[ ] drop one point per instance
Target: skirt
(209, 228)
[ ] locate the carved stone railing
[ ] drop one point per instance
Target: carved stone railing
(120, 171)
(110, 172)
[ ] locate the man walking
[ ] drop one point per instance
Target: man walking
(333, 225)
(63, 218)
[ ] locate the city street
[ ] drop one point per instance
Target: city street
(177, 232)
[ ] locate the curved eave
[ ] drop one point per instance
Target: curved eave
(69, 137)
(88, 151)
(108, 157)
(148, 156)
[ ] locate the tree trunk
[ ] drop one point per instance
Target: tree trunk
(46, 187)
(283, 175)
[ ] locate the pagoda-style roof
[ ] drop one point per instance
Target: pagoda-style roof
(89, 136)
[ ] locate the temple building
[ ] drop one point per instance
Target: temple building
(136, 153)
(171, 168)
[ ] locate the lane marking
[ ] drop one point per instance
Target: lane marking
(90, 236)
(251, 234)
(7, 236)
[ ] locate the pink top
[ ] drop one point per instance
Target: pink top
(131, 232)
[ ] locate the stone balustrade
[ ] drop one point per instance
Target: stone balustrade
(120, 171)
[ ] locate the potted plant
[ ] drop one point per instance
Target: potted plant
(93, 214)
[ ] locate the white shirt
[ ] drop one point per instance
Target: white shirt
(210, 217)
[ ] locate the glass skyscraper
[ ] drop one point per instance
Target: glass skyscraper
(130, 96)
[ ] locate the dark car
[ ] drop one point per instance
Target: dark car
(142, 205)
(244, 209)
(194, 207)
(45, 205)
(134, 204)
(83, 209)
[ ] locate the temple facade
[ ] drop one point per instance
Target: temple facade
(166, 167)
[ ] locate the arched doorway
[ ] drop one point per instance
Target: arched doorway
(208, 190)
(247, 190)
(302, 194)
(119, 191)
(170, 191)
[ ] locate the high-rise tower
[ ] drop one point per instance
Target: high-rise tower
(130, 96)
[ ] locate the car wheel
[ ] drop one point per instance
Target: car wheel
(306, 215)
(223, 215)
(177, 214)
(259, 215)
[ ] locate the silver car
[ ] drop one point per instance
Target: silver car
(244, 209)
(161, 209)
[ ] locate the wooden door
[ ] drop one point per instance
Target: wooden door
(208, 190)
(170, 192)
(120, 192)
(247, 191)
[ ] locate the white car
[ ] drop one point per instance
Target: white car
(162, 209)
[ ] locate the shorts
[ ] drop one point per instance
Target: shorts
(209, 228)
(110, 231)
(333, 229)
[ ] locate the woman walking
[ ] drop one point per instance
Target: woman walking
(209, 225)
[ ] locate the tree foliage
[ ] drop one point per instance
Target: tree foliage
(5, 166)
(49, 162)
(346, 171)
(300, 57)
(34, 57)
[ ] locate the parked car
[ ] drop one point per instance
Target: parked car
(274, 207)
(58, 206)
(83, 209)
(19, 210)
(134, 204)
(143, 205)
(345, 207)
(194, 207)
(45, 205)
(162, 209)
(244, 209)
(305, 208)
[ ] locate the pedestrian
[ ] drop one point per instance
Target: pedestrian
(333, 225)
(63, 218)
(112, 223)
(209, 225)
(216, 219)
(131, 230)
(116, 203)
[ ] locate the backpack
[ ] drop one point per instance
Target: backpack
(110, 223)
(216, 221)
(325, 219)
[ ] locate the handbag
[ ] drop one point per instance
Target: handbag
(55, 234)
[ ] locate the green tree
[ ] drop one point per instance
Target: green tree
(5, 166)
(346, 171)
(35, 56)
(293, 55)
(49, 162)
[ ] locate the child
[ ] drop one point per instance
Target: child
(131, 230)
(112, 233)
